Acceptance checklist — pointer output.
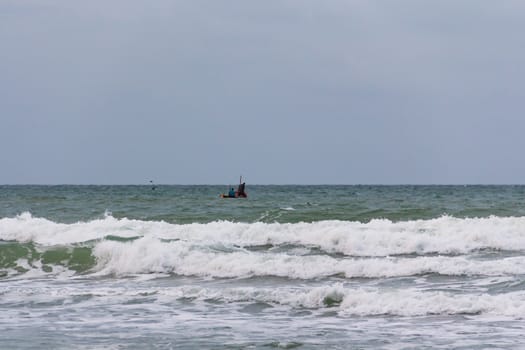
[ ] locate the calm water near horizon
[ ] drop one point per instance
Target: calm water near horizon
(303, 267)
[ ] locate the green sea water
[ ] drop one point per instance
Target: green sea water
(266, 203)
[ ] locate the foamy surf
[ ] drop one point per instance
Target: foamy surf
(147, 255)
(380, 237)
(381, 248)
(344, 300)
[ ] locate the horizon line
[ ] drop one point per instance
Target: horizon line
(263, 184)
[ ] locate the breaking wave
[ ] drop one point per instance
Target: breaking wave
(333, 298)
(379, 248)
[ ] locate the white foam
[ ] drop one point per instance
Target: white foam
(446, 235)
(366, 302)
(34, 269)
(415, 303)
(26, 228)
(151, 255)
(337, 297)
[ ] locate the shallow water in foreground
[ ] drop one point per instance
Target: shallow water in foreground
(359, 267)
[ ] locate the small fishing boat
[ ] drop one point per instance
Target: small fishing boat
(240, 193)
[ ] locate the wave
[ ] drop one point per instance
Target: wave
(334, 298)
(380, 248)
(379, 237)
(149, 255)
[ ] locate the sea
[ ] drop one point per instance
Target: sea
(289, 267)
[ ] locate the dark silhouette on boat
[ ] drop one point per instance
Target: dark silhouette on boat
(240, 193)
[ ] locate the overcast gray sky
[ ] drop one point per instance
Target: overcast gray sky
(282, 92)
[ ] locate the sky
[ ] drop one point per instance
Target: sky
(281, 92)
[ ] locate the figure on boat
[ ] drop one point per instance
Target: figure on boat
(240, 193)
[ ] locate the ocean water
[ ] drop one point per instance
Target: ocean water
(290, 267)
